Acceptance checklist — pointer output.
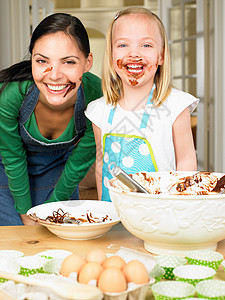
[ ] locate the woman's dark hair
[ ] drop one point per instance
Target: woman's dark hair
(66, 23)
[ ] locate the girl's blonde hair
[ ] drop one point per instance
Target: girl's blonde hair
(111, 83)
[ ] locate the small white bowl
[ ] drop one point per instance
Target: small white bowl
(77, 209)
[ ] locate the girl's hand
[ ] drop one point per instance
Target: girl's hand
(26, 220)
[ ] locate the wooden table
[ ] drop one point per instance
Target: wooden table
(33, 239)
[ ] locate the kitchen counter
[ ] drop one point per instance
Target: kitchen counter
(33, 239)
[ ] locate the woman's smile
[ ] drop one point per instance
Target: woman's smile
(58, 74)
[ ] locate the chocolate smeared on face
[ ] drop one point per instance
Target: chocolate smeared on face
(133, 82)
(48, 69)
(72, 85)
(131, 68)
(149, 67)
(120, 63)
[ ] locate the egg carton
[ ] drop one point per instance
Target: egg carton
(133, 292)
(19, 291)
(14, 291)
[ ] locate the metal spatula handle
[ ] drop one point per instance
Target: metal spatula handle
(126, 179)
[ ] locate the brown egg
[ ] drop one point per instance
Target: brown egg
(112, 280)
(136, 272)
(96, 255)
(72, 263)
(114, 261)
(89, 271)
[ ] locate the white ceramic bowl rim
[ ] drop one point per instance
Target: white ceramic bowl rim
(44, 208)
(166, 174)
(168, 196)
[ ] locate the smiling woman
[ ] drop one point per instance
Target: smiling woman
(46, 143)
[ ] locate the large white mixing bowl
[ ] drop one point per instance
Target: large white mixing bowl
(172, 224)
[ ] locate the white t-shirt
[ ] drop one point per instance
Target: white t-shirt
(159, 127)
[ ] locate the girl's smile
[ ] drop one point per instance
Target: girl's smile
(133, 68)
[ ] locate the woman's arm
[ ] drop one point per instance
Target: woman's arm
(99, 158)
(183, 143)
(76, 167)
(12, 151)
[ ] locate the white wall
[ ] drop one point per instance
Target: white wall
(97, 46)
(15, 27)
(14, 31)
(5, 27)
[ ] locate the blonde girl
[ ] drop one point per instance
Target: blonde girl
(141, 123)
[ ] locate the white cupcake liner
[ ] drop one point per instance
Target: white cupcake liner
(31, 264)
(193, 273)
(207, 258)
(8, 265)
(194, 298)
(172, 290)
(54, 253)
(168, 263)
(157, 273)
(223, 264)
(53, 266)
(11, 254)
(211, 289)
